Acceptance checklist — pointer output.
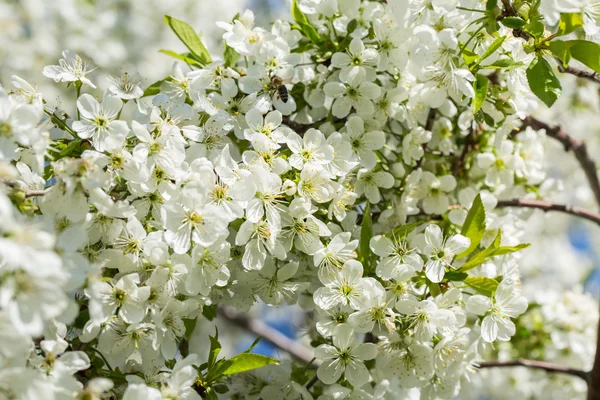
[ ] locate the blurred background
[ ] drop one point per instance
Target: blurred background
(126, 35)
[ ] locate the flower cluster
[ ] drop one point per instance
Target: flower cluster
(350, 163)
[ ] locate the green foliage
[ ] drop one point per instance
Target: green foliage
(185, 57)
(247, 362)
(404, 230)
(230, 56)
(588, 53)
(542, 81)
(303, 24)
(474, 226)
(190, 39)
(481, 88)
(492, 250)
(513, 22)
(569, 22)
(211, 381)
(154, 89)
(483, 285)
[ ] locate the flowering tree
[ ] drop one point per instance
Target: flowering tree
(368, 162)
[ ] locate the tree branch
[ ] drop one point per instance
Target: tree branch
(571, 144)
(548, 367)
(269, 334)
(580, 73)
(28, 192)
(548, 206)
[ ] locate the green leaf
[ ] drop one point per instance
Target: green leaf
(403, 231)
(190, 39)
(190, 325)
(483, 285)
(561, 50)
(542, 81)
(181, 57)
(513, 22)
(253, 345)
(352, 25)
(305, 26)
(366, 233)
(455, 276)
(588, 53)
(434, 288)
(469, 56)
(505, 63)
(492, 250)
(474, 226)
(153, 89)
(230, 56)
(481, 88)
(569, 22)
(491, 4)
(209, 312)
(248, 362)
(493, 47)
(215, 348)
(535, 28)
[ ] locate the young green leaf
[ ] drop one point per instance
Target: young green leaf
(190, 325)
(230, 56)
(513, 22)
(483, 285)
(569, 22)
(215, 348)
(247, 362)
(253, 345)
(153, 89)
(492, 250)
(403, 231)
(182, 57)
(455, 276)
(493, 47)
(305, 26)
(588, 53)
(562, 50)
(474, 226)
(190, 39)
(542, 81)
(481, 88)
(366, 233)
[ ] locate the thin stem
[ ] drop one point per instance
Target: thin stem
(571, 144)
(102, 357)
(469, 40)
(548, 206)
(470, 9)
(548, 367)
(269, 334)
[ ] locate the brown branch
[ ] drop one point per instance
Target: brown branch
(546, 366)
(269, 334)
(578, 148)
(580, 73)
(460, 162)
(28, 192)
(548, 206)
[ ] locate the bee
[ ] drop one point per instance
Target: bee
(282, 91)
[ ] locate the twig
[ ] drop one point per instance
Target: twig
(548, 206)
(580, 73)
(269, 334)
(28, 192)
(548, 367)
(571, 144)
